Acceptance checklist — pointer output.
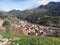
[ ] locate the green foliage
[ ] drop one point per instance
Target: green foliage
(32, 40)
(6, 24)
(54, 11)
(38, 18)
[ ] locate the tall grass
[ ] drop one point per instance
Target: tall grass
(32, 40)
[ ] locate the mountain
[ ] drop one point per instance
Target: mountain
(55, 6)
(35, 10)
(41, 8)
(14, 11)
(6, 16)
(48, 14)
(50, 5)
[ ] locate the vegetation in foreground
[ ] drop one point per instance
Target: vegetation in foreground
(31, 40)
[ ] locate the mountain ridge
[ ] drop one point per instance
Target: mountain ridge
(41, 8)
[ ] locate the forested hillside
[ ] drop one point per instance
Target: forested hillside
(48, 15)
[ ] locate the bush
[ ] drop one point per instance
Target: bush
(6, 24)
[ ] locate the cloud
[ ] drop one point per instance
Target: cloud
(21, 4)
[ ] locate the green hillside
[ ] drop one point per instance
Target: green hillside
(32, 40)
(46, 15)
(9, 17)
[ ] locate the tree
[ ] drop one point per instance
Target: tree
(54, 11)
(38, 18)
(6, 24)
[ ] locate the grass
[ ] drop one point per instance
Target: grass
(32, 40)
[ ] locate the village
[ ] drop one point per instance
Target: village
(27, 28)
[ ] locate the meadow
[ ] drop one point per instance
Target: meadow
(31, 40)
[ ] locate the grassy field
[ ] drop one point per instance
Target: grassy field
(32, 40)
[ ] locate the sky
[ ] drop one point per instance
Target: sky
(7, 5)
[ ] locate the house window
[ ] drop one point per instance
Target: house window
(28, 33)
(41, 32)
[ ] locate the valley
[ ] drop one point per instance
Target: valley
(37, 26)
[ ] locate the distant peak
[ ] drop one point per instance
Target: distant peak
(52, 2)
